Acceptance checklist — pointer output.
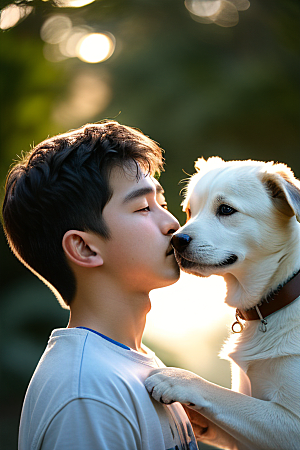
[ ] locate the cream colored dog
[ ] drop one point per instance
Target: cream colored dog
(242, 224)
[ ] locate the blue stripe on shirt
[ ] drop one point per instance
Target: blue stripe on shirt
(107, 338)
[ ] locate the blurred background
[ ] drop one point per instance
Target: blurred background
(202, 78)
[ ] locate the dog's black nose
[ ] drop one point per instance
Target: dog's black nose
(180, 241)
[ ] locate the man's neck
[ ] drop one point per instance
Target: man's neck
(119, 316)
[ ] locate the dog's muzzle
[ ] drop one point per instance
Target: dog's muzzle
(188, 260)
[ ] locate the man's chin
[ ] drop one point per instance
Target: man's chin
(165, 283)
(171, 277)
(175, 277)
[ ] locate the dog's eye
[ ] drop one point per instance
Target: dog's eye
(225, 210)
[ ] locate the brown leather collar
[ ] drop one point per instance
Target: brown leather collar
(275, 301)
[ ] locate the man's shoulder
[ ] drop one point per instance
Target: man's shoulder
(74, 365)
(60, 365)
(74, 352)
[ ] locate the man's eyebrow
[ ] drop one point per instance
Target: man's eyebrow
(138, 193)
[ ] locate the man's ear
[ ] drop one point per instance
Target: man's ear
(80, 248)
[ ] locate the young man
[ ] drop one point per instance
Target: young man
(84, 212)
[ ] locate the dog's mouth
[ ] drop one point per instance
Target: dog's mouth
(228, 261)
(186, 264)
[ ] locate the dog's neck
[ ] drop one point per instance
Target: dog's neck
(248, 288)
(283, 296)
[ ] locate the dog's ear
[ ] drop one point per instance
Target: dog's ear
(284, 189)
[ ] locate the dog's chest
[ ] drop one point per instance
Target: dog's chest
(277, 380)
(264, 380)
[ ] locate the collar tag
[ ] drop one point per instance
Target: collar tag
(237, 326)
(264, 322)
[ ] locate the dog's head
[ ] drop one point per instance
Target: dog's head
(238, 212)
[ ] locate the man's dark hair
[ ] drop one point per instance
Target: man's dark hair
(63, 184)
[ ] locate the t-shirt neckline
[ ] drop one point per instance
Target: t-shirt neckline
(106, 337)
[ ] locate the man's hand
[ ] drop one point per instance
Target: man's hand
(207, 432)
(200, 423)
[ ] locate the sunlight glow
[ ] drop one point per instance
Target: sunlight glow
(12, 14)
(191, 304)
(95, 47)
(188, 324)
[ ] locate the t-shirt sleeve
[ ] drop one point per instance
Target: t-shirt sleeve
(87, 424)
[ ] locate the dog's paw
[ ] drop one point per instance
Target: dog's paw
(169, 385)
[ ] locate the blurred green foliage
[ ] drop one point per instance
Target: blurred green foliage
(199, 90)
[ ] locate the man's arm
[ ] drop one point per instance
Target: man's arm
(209, 433)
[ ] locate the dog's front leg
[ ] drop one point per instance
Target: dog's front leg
(253, 423)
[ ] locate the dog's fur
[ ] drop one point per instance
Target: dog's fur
(255, 246)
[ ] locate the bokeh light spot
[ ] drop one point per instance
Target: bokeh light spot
(68, 47)
(221, 12)
(203, 8)
(56, 28)
(95, 47)
(88, 95)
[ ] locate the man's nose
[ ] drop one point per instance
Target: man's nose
(180, 241)
(170, 223)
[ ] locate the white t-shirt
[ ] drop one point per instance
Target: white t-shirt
(88, 393)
